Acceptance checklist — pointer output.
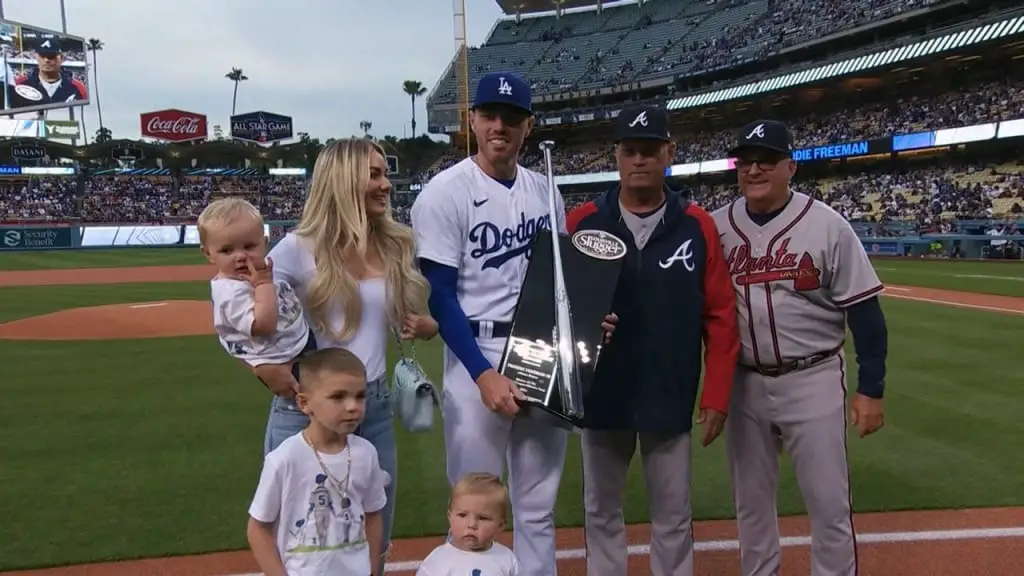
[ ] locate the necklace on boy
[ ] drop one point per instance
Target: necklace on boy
(341, 487)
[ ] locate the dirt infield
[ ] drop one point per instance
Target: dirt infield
(117, 321)
(988, 542)
(141, 274)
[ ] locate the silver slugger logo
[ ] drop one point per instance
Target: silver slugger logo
(599, 244)
(188, 125)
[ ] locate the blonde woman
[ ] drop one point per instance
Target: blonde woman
(352, 268)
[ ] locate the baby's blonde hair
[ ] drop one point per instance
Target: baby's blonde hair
(225, 211)
(481, 484)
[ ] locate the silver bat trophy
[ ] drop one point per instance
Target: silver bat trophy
(569, 385)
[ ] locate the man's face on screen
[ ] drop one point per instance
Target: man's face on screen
(49, 64)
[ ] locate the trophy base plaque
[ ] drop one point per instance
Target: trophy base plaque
(591, 261)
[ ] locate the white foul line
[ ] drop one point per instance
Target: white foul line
(957, 304)
(990, 277)
(787, 542)
(153, 305)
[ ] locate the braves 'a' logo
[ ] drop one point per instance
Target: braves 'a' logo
(499, 245)
(682, 254)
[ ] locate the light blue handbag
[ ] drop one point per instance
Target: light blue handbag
(413, 394)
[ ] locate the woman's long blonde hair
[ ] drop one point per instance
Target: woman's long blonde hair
(334, 219)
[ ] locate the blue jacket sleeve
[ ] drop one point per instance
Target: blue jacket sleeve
(871, 341)
(451, 320)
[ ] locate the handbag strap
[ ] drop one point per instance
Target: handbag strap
(401, 346)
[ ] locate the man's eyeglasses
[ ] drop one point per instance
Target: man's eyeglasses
(764, 165)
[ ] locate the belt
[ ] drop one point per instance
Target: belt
(488, 329)
(794, 365)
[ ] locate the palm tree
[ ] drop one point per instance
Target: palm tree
(365, 126)
(415, 89)
(94, 45)
(236, 75)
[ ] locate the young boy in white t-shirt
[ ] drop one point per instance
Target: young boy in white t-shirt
(257, 319)
(317, 507)
(476, 515)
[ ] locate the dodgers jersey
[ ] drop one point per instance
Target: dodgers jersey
(793, 278)
(234, 304)
(465, 219)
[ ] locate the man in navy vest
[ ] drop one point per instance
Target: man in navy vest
(49, 83)
(674, 298)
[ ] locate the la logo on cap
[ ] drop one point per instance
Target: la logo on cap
(504, 87)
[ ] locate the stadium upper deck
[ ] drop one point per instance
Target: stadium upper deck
(629, 43)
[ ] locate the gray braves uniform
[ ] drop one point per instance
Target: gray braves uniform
(793, 277)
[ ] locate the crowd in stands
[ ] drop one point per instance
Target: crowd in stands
(925, 197)
(988, 102)
(625, 44)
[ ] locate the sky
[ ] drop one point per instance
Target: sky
(329, 64)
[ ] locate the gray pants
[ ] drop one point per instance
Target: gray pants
(666, 461)
(803, 412)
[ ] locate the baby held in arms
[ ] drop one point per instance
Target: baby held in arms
(257, 319)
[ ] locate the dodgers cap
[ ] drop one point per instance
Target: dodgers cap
(642, 122)
(765, 134)
(505, 88)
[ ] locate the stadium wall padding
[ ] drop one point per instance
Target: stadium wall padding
(15, 238)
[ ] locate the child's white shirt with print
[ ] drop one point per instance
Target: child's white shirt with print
(234, 303)
(319, 529)
(447, 560)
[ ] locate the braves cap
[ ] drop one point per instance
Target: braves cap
(765, 134)
(642, 122)
(48, 46)
(504, 88)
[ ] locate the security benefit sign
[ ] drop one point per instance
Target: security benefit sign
(34, 238)
(261, 127)
(42, 69)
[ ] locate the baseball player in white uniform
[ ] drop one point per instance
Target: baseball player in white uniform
(474, 225)
(801, 276)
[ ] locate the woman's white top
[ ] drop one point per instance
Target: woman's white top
(294, 263)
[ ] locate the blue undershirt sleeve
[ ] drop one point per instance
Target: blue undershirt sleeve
(871, 341)
(451, 320)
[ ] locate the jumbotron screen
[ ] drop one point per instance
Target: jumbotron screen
(42, 69)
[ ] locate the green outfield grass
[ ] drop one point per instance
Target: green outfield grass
(150, 447)
(100, 258)
(998, 278)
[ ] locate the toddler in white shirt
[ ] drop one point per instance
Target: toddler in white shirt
(257, 319)
(476, 515)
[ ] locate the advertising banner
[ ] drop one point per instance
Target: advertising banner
(844, 150)
(61, 130)
(18, 128)
(173, 125)
(261, 127)
(28, 150)
(42, 69)
(34, 238)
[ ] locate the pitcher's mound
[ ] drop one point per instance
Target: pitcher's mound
(138, 320)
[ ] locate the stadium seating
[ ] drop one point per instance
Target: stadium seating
(627, 43)
(987, 102)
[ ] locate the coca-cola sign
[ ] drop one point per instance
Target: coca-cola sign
(173, 125)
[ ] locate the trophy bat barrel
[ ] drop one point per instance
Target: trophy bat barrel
(570, 387)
